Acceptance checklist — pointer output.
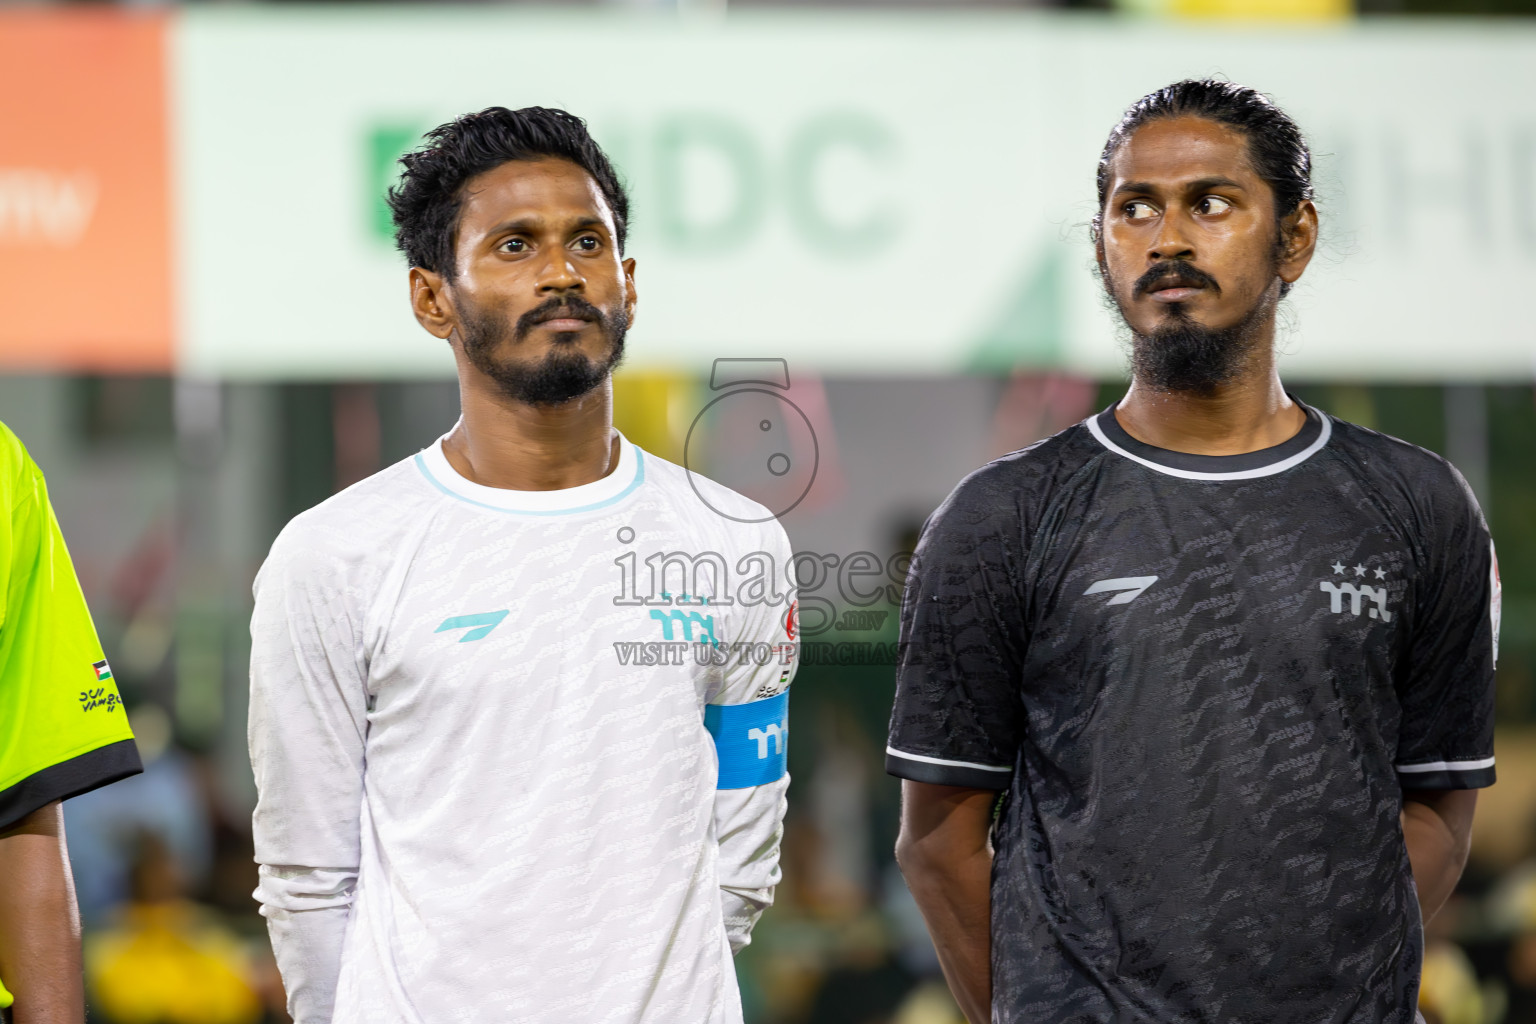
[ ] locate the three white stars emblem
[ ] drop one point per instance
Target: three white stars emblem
(1339, 568)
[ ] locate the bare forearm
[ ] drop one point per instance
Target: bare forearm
(1437, 828)
(39, 924)
(945, 852)
(955, 898)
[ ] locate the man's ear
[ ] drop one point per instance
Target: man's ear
(1096, 235)
(1298, 243)
(629, 290)
(431, 303)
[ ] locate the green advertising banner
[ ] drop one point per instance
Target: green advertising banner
(855, 193)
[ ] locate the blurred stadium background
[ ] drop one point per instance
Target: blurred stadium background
(204, 330)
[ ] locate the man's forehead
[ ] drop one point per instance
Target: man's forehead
(1168, 151)
(547, 190)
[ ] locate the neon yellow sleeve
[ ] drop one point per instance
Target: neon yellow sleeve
(63, 730)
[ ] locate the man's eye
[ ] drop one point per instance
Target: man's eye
(514, 245)
(587, 243)
(1139, 210)
(1212, 205)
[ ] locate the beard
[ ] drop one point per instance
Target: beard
(1183, 355)
(565, 373)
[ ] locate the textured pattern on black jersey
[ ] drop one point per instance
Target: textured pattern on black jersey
(1198, 693)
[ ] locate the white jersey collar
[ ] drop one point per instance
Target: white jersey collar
(628, 475)
(1308, 441)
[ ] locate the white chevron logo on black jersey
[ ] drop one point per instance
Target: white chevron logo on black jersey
(1134, 587)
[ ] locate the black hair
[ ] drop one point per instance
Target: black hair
(430, 194)
(1276, 146)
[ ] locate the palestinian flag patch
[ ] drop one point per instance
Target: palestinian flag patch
(103, 670)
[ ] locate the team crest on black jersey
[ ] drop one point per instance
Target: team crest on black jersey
(1357, 589)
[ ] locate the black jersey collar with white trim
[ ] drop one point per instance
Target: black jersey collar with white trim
(1308, 441)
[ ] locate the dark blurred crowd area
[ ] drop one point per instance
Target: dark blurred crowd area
(164, 880)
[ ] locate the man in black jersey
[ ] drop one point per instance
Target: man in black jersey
(1229, 660)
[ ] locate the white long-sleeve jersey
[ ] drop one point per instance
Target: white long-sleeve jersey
(487, 789)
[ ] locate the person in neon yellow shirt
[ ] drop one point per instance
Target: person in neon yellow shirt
(63, 732)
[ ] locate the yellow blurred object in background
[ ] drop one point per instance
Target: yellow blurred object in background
(1449, 993)
(1243, 10)
(654, 410)
(168, 963)
(929, 1003)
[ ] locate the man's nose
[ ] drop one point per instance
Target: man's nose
(559, 274)
(1172, 241)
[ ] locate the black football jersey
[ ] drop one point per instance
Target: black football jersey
(1202, 684)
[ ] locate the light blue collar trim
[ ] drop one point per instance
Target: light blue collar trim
(611, 489)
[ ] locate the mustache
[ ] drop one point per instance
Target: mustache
(1173, 273)
(558, 308)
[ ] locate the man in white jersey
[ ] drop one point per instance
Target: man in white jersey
(480, 800)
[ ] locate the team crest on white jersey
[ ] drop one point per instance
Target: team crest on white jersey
(1358, 591)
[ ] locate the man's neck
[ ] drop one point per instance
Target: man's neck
(502, 443)
(1247, 415)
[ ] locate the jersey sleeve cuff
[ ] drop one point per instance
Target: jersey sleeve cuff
(1470, 774)
(80, 774)
(944, 772)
